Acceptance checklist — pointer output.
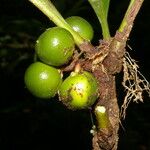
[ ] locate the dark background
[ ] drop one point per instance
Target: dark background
(30, 123)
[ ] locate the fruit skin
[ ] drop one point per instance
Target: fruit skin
(79, 90)
(42, 80)
(55, 46)
(81, 26)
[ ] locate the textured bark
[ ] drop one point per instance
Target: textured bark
(106, 139)
(105, 61)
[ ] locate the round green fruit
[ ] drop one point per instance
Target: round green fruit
(79, 90)
(55, 46)
(42, 80)
(81, 26)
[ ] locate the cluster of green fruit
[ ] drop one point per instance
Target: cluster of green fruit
(55, 48)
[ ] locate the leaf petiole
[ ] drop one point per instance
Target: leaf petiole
(53, 14)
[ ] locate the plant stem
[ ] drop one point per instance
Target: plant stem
(105, 29)
(52, 13)
(101, 13)
(102, 117)
(126, 26)
(130, 14)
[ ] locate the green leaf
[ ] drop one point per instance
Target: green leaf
(102, 5)
(101, 8)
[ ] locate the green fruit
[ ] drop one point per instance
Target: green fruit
(79, 90)
(81, 26)
(55, 46)
(42, 80)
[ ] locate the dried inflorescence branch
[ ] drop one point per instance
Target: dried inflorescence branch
(133, 82)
